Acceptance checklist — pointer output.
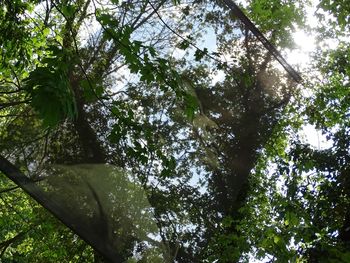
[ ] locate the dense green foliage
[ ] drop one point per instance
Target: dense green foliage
(203, 123)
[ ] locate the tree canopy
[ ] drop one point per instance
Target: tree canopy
(173, 131)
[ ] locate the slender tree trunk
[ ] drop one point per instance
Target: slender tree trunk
(93, 152)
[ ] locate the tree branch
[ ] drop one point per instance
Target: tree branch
(12, 103)
(5, 244)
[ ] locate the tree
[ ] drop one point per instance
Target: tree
(98, 84)
(309, 218)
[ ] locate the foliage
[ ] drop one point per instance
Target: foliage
(211, 138)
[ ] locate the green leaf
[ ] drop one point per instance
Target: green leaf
(199, 54)
(276, 239)
(46, 31)
(183, 45)
(68, 10)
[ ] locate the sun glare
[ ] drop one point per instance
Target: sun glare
(305, 45)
